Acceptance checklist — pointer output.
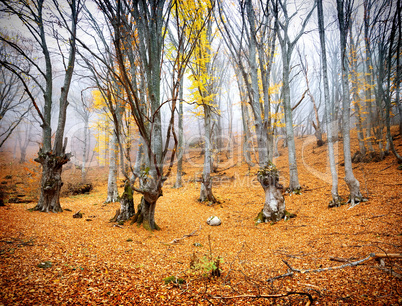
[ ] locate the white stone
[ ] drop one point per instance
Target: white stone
(214, 221)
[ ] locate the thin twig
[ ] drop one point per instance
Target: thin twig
(267, 296)
(280, 276)
(176, 240)
(351, 264)
(390, 165)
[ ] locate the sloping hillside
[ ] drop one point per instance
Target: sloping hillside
(92, 261)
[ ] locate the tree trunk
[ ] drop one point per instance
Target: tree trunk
(329, 116)
(126, 204)
(387, 96)
(180, 149)
(51, 182)
(379, 97)
(112, 192)
(368, 80)
(287, 47)
(206, 183)
(245, 120)
(246, 133)
(23, 153)
(146, 215)
(274, 206)
(398, 67)
(260, 127)
(84, 153)
(356, 97)
(290, 140)
(351, 181)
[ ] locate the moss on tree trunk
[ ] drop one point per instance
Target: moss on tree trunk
(146, 215)
(126, 204)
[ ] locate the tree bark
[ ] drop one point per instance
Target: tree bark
(290, 140)
(206, 183)
(260, 127)
(112, 192)
(368, 76)
(329, 116)
(126, 204)
(180, 149)
(146, 215)
(274, 206)
(51, 182)
(356, 97)
(351, 181)
(398, 66)
(287, 47)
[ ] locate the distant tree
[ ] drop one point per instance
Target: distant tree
(317, 124)
(14, 105)
(84, 107)
(204, 90)
(287, 47)
(26, 134)
(368, 75)
(355, 89)
(251, 43)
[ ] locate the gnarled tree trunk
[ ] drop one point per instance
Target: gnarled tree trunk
(126, 204)
(274, 206)
(146, 214)
(51, 182)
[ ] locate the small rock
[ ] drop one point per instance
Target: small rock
(78, 214)
(45, 264)
(214, 221)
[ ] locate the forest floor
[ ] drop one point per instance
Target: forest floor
(55, 259)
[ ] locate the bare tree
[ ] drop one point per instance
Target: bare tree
(392, 49)
(287, 46)
(14, 105)
(251, 45)
(317, 123)
(344, 10)
(137, 31)
(328, 113)
(33, 19)
(83, 106)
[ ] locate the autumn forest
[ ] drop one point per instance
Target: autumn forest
(200, 152)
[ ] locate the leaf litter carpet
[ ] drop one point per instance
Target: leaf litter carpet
(54, 259)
